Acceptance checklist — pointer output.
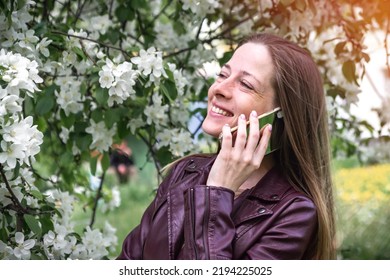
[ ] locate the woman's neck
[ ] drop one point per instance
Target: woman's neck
(266, 165)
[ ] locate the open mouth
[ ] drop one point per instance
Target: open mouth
(220, 111)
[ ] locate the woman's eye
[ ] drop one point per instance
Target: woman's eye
(246, 85)
(221, 75)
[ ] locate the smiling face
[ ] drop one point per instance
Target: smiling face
(243, 85)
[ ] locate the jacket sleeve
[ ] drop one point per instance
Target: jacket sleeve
(133, 244)
(209, 229)
(292, 236)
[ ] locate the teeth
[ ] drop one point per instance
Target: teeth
(220, 111)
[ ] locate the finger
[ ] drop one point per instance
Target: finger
(264, 140)
(254, 133)
(240, 142)
(226, 138)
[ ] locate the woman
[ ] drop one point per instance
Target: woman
(241, 203)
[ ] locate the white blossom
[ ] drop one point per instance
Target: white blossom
(42, 47)
(22, 250)
(11, 153)
(5, 195)
(150, 63)
(23, 137)
(100, 23)
(69, 58)
(200, 7)
(69, 97)
(180, 80)
(93, 241)
(101, 136)
(181, 143)
(178, 140)
(119, 79)
(136, 123)
(156, 112)
(106, 79)
(114, 202)
(6, 251)
(19, 72)
(109, 233)
(27, 40)
(9, 104)
(64, 134)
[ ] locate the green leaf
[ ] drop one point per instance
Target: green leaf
(105, 162)
(123, 131)
(349, 71)
(36, 194)
(66, 159)
(112, 116)
(225, 58)
(101, 95)
(44, 105)
(3, 234)
(164, 155)
(169, 89)
(125, 13)
(138, 4)
(97, 115)
(68, 121)
(47, 223)
(93, 164)
(42, 124)
(16, 171)
(79, 52)
(33, 224)
(83, 142)
(21, 4)
(113, 35)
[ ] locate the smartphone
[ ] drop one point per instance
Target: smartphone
(266, 118)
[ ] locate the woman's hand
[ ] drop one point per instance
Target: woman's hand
(234, 164)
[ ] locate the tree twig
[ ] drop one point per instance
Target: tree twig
(91, 40)
(98, 196)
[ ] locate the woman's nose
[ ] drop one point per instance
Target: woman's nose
(223, 88)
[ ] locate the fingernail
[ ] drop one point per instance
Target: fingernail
(270, 127)
(254, 114)
(226, 124)
(242, 116)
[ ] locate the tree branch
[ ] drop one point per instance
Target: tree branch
(13, 197)
(98, 196)
(17, 206)
(91, 40)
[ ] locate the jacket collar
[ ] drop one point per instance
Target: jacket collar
(271, 187)
(200, 162)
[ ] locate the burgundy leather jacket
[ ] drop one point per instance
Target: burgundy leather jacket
(190, 220)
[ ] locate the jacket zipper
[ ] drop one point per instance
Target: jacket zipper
(193, 222)
(205, 225)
